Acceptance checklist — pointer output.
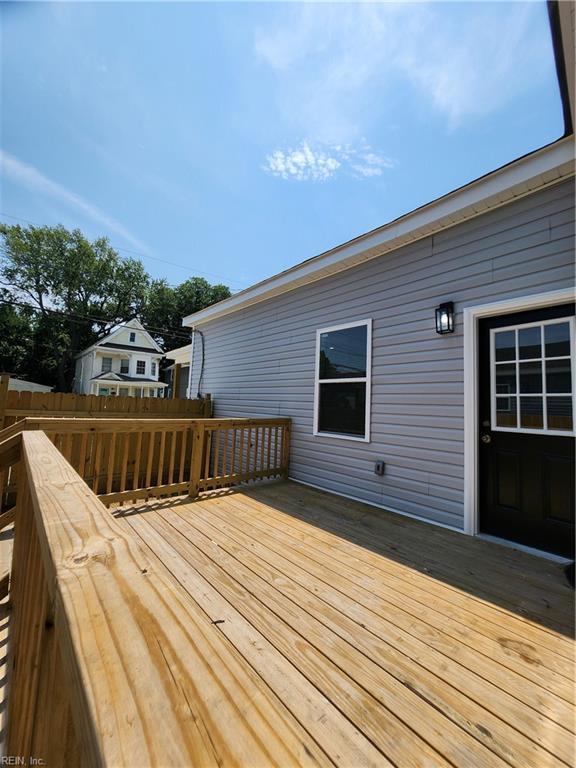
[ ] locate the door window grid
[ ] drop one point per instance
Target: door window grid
(531, 407)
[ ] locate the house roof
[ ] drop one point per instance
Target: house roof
(179, 355)
(113, 376)
(129, 347)
(539, 169)
(133, 324)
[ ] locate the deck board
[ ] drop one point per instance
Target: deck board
(380, 640)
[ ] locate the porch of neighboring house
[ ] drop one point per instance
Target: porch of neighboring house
(122, 385)
(270, 624)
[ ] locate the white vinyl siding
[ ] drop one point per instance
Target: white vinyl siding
(260, 362)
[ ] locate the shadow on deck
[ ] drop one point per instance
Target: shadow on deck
(535, 588)
(382, 639)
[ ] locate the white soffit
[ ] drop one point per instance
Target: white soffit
(540, 169)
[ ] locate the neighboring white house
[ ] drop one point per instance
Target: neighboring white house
(126, 362)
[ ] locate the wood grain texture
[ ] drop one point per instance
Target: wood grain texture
(430, 669)
(151, 679)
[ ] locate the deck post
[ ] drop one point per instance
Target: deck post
(4, 381)
(286, 449)
(198, 432)
(176, 373)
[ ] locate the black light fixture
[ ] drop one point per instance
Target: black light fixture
(445, 318)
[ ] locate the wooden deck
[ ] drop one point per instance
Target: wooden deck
(328, 633)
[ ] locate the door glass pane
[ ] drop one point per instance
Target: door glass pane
(531, 413)
(342, 409)
(343, 353)
(557, 339)
(506, 412)
(558, 376)
(529, 342)
(506, 379)
(505, 345)
(560, 414)
(531, 377)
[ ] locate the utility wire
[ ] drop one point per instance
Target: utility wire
(142, 255)
(72, 315)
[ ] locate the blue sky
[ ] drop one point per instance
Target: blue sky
(237, 139)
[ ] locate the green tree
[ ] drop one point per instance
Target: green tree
(77, 287)
(166, 306)
(16, 337)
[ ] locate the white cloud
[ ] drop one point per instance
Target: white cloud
(28, 176)
(342, 69)
(312, 162)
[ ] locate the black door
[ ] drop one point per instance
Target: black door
(526, 428)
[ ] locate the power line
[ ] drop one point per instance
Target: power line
(139, 253)
(72, 315)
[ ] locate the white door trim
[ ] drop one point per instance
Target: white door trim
(471, 317)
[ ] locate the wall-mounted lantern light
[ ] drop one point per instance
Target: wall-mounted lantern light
(445, 318)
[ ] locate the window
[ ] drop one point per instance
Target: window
(532, 378)
(124, 365)
(342, 381)
(137, 391)
(124, 391)
(106, 364)
(132, 336)
(140, 367)
(153, 370)
(103, 391)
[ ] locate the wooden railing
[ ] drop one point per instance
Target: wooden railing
(93, 621)
(94, 630)
(126, 460)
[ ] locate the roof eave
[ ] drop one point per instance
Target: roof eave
(544, 167)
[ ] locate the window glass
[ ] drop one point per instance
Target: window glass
(529, 342)
(558, 375)
(106, 364)
(560, 414)
(137, 391)
(506, 412)
(343, 353)
(531, 415)
(132, 336)
(538, 367)
(153, 369)
(505, 345)
(342, 381)
(124, 366)
(557, 339)
(505, 379)
(140, 367)
(531, 376)
(343, 408)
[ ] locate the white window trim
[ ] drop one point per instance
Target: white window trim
(364, 379)
(471, 426)
(544, 394)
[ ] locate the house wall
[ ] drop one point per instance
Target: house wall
(260, 361)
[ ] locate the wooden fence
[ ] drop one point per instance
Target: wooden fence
(125, 460)
(18, 405)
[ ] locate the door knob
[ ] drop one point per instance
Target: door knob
(486, 439)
